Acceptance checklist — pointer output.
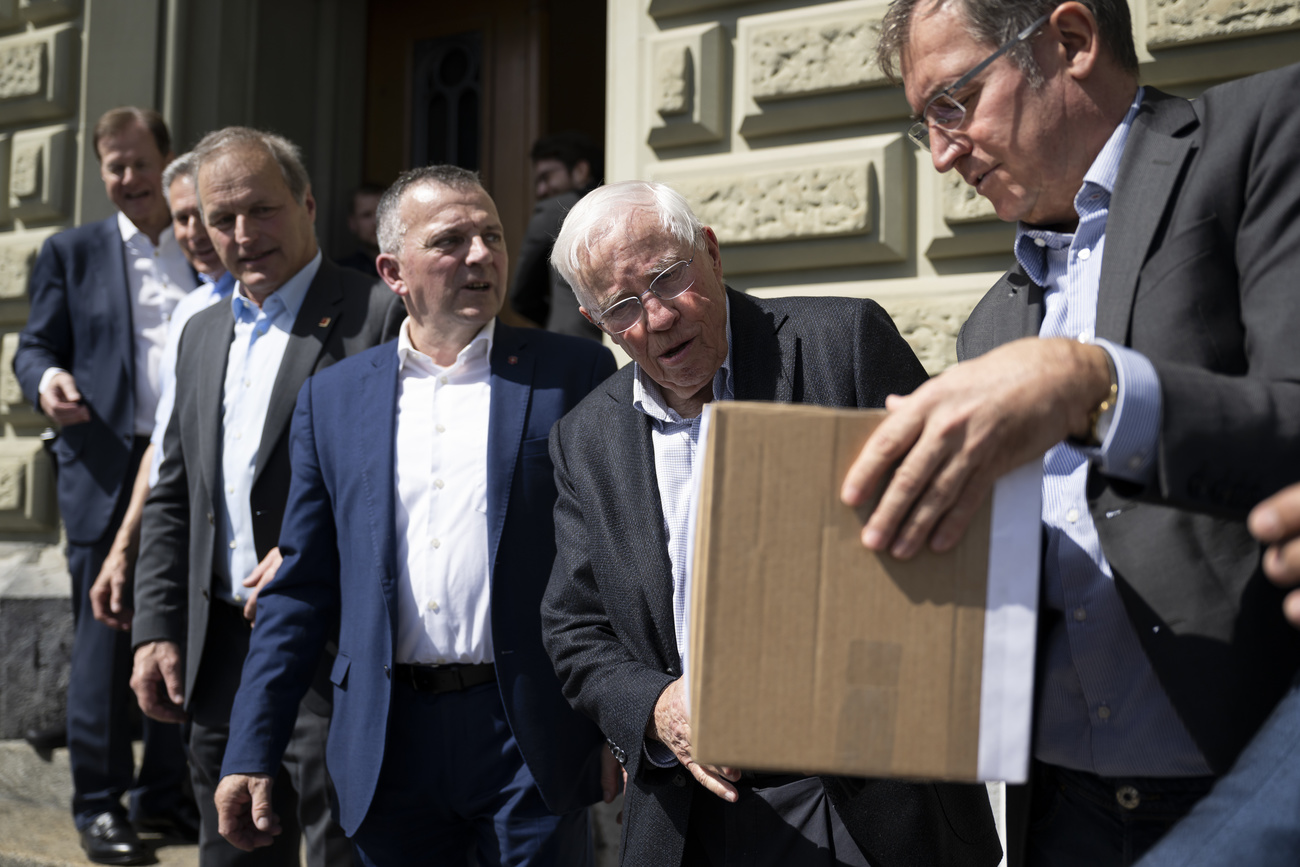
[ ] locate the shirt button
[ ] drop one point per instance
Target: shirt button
(1072, 515)
(1080, 614)
(1103, 712)
(1084, 254)
(1039, 242)
(439, 484)
(230, 489)
(248, 383)
(233, 543)
(238, 435)
(239, 598)
(439, 428)
(443, 380)
(432, 606)
(1135, 462)
(435, 543)
(440, 661)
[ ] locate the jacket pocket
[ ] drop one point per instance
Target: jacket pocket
(339, 673)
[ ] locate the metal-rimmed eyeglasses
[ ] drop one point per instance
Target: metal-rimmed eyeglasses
(946, 112)
(668, 283)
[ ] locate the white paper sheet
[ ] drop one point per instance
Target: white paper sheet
(1011, 626)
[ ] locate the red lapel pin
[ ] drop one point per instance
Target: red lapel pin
(512, 359)
(324, 322)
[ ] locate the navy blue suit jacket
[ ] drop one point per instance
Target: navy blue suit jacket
(81, 321)
(340, 570)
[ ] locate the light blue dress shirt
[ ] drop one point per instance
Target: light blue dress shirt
(1101, 707)
(261, 336)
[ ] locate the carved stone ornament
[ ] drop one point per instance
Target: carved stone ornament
(961, 204)
(22, 69)
(1176, 22)
(673, 80)
(822, 57)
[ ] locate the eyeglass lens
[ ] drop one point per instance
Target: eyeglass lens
(669, 283)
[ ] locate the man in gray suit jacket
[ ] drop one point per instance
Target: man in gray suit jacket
(1145, 341)
(651, 276)
(212, 522)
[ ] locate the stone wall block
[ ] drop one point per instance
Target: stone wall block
(804, 206)
(35, 642)
(38, 75)
(11, 393)
(930, 327)
(40, 173)
(687, 81)
(46, 11)
(812, 68)
(961, 204)
(668, 8)
(27, 501)
(9, 17)
(17, 254)
(1179, 22)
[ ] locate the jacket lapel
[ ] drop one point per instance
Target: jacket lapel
(1150, 170)
(214, 352)
(512, 381)
(763, 358)
(317, 319)
(372, 444)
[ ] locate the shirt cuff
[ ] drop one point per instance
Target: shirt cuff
(1129, 450)
(46, 377)
(659, 755)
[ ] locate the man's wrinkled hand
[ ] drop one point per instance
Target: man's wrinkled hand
(953, 437)
(672, 727)
(1276, 522)
(244, 814)
(259, 578)
(157, 681)
(62, 402)
(108, 593)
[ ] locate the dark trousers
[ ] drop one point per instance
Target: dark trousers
(302, 795)
(1082, 820)
(1251, 818)
(779, 820)
(454, 783)
(101, 706)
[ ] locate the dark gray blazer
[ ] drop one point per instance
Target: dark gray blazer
(607, 616)
(342, 313)
(1201, 274)
(538, 291)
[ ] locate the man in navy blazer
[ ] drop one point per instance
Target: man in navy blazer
(101, 297)
(419, 534)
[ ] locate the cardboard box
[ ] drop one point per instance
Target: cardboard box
(806, 652)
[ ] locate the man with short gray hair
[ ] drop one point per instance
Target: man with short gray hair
(211, 524)
(650, 276)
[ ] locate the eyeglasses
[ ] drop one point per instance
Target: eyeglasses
(947, 113)
(668, 283)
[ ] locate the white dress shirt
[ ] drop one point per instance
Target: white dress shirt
(261, 336)
(200, 299)
(158, 277)
(444, 578)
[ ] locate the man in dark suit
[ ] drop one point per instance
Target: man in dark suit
(101, 296)
(651, 276)
(208, 538)
(1145, 342)
(565, 166)
(419, 531)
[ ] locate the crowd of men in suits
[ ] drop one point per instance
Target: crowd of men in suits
(463, 544)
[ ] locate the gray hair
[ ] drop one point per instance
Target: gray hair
(184, 166)
(596, 214)
(391, 229)
(993, 22)
(285, 153)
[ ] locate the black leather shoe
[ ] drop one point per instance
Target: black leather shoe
(182, 823)
(44, 740)
(110, 839)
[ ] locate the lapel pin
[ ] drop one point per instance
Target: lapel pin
(324, 322)
(512, 359)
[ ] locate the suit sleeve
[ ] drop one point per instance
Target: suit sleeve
(162, 569)
(1230, 431)
(297, 612)
(46, 340)
(599, 676)
(883, 362)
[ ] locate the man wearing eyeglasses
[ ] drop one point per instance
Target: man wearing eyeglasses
(1144, 348)
(650, 275)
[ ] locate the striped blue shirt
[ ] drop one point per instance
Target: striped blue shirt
(1101, 708)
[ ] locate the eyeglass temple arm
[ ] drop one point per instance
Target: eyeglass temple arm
(1007, 46)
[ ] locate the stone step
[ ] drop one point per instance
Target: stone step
(34, 835)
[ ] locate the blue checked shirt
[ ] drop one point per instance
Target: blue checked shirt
(1101, 708)
(675, 441)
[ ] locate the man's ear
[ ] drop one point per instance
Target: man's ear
(581, 174)
(390, 271)
(1078, 38)
(309, 202)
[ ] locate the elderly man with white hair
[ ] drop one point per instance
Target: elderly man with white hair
(650, 276)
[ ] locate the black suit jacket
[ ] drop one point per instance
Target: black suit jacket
(1200, 275)
(342, 313)
(81, 321)
(607, 615)
(538, 291)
